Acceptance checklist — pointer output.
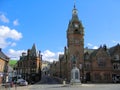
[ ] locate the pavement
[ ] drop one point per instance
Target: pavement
(50, 83)
(67, 87)
(50, 80)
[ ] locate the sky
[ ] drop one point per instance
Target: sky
(45, 22)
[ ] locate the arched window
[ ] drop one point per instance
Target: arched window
(116, 66)
(76, 31)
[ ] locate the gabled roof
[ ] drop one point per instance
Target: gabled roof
(33, 51)
(104, 49)
(113, 49)
(94, 53)
(61, 56)
(3, 56)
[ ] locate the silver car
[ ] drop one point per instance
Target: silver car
(23, 83)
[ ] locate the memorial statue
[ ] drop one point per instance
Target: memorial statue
(73, 59)
(75, 73)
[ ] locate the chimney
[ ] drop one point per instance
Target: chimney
(28, 52)
(23, 54)
(105, 47)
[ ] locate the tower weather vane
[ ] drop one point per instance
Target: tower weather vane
(74, 3)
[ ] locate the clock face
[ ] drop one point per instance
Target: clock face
(76, 25)
(74, 11)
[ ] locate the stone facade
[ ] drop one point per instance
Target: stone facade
(4, 60)
(29, 65)
(45, 68)
(100, 65)
(55, 69)
(75, 42)
(96, 65)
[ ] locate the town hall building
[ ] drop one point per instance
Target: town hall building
(100, 65)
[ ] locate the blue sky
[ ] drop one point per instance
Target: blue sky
(44, 22)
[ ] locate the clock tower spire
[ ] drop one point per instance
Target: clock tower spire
(75, 40)
(75, 13)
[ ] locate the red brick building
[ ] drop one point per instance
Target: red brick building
(29, 65)
(100, 65)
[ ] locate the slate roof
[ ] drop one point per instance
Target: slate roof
(113, 49)
(61, 56)
(3, 56)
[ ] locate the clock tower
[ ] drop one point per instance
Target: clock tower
(75, 41)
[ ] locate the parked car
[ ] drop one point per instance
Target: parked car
(19, 80)
(23, 83)
(116, 79)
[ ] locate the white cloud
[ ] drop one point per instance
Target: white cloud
(3, 18)
(89, 44)
(15, 22)
(15, 54)
(13, 44)
(95, 47)
(92, 46)
(50, 56)
(3, 43)
(7, 33)
(47, 55)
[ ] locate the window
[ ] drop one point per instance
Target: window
(116, 57)
(116, 66)
(77, 31)
(106, 76)
(86, 56)
(97, 76)
(87, 66)
(101, 62)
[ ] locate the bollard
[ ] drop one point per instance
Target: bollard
(15, 86)
(64, 82)
(9, 86)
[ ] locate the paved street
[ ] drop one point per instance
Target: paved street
(50, 80)
(77, 87)
(68, 87)
(50, 83)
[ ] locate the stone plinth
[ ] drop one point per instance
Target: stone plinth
(75, 76)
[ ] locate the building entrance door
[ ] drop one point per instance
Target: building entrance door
(88, 76)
